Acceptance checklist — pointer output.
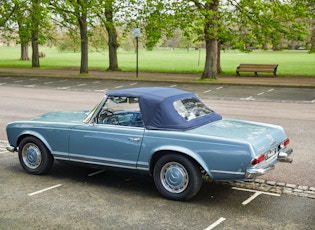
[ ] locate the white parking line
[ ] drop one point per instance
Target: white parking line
(256, 194)
(97, 172)
(48, 82)
(260, 93)
(248, 98)
(207, 91)
(215, 224)
(313, 101)
(100, 90)
(67, 87)
(44, 190)
(221, 87)
(133, 83)
(95, 82)
(119, 86)
(172, 86)
(271, 90)
(81, 84)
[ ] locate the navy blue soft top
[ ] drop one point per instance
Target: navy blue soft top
(157, 108)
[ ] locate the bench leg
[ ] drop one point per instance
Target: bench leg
(238, 74)
(256, 74)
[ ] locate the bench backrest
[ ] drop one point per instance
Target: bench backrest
(258, 66)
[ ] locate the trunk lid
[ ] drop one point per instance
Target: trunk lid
(261, 136)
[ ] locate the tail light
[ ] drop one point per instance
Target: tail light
(286, 142)
(270, 153)
(258, 159)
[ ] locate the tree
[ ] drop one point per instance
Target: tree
(311, 11)
(75, 13)
(14, 21)
(7, 9)
(106, 15)
(35, 20)
(245, 23)
(28, 19)
(209, 10)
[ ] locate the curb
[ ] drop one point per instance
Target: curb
(276, 187)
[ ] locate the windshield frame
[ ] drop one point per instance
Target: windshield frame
(92, 114)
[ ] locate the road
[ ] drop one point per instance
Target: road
(292, 108)
(78, 198)
(227, 92)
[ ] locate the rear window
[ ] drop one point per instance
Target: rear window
(190, 108)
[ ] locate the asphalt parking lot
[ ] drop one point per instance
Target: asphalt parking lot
(72, 197)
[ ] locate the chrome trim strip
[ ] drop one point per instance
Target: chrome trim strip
(104, 164)
(72, 156)
(227, 172)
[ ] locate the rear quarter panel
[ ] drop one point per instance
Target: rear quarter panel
(222, 159)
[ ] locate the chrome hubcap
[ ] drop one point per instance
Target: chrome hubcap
(31, 155)
(174, 177)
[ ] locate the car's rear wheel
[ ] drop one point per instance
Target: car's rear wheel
(34, 156)
(177, 177)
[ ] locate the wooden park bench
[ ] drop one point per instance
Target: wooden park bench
(257, 68)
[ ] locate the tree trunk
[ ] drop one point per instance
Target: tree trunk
(24, 52)
(219, 69)
(112, 37)
(35, 56)
(210, 31)
(312, 50)
(34, 33)
(84, 43)
(210, 69)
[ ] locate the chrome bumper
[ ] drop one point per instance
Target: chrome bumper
(283, 156)
(252, 173)
(11, 149)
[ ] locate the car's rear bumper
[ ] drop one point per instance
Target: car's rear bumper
(283, 156)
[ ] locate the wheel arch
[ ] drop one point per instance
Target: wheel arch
(33, 134)
(184, 152)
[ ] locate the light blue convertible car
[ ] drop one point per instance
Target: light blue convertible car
(165, 132)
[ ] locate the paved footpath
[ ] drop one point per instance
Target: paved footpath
(248, 79)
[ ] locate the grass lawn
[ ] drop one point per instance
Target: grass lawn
(291, 63)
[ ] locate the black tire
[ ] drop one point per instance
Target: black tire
(34, 156)
(177, 177)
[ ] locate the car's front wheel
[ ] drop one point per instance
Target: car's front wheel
(34, 156)
(177, 177)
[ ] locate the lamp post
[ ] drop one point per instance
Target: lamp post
(136, 34)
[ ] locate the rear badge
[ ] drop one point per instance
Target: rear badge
(270, 137)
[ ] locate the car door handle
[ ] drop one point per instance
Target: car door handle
(137, 139)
